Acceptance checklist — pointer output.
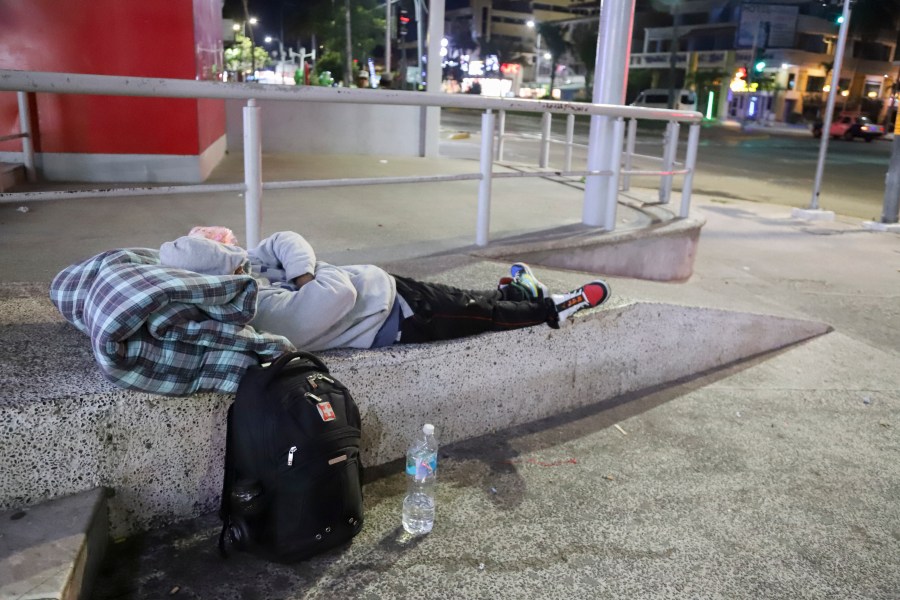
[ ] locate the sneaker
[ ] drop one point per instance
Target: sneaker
(590, 295)
(525, 277)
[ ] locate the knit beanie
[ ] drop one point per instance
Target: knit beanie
(202, 255)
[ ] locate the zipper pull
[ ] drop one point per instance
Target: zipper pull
(291, 455)
(325, 377)
(313, 397)
(311, 380)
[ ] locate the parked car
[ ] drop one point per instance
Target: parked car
(851, 125)
(659, 98)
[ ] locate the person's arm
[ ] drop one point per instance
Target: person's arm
(292, 252)
(311, 311)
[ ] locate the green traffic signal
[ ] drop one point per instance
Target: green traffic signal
(760, 66)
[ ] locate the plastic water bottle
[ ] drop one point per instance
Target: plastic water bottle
(421, 471)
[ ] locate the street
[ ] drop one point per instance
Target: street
(758, 165)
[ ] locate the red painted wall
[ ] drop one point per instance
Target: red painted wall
(163, 38)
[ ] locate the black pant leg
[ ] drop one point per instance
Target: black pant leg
(443, 312)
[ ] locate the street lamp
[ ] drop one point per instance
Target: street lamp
(537, 54)
(268, 40)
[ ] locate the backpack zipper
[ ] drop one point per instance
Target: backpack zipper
(311, 379)
(344, 432)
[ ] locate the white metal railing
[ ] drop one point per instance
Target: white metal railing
(25, 82)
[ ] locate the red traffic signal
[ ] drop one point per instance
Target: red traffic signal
(402, 21)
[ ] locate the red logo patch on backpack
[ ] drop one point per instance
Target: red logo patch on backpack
(325, 411)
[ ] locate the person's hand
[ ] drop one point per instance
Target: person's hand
(302, 280)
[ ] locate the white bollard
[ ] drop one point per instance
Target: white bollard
(252, 174)
(545, 140)
(483, 225)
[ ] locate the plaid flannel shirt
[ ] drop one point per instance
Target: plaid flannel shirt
(164, 330)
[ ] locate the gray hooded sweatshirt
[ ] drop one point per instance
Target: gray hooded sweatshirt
(342, 307)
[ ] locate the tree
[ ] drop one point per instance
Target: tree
(555, 44)
(584, 46)
(327, 20)
(238, 58)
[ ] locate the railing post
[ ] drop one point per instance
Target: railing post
(545, 140)
(615, 161)
(252, 173)
(483, 224)
(629, 153)
(28, 140)
(671, 148)
(570, 135)
(690, 161)
(501, 131)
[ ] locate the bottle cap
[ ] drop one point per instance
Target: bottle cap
(428, 429)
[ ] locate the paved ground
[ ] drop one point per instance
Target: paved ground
(775, 478)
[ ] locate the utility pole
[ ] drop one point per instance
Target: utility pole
(387, 36)
(348, 62)
(814, 212)
(673, 52)
(892, 182)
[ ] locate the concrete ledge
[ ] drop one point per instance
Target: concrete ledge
(163, 456)
(661, 252)
(53, 550)
(810, 214)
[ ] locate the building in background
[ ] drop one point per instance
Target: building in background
(767, 60)
(497, 45)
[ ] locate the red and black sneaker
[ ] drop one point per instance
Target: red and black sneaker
(589, 295)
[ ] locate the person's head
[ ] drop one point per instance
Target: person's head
(386, 81)
(206, 250)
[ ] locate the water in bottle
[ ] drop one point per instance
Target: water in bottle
(421, 471)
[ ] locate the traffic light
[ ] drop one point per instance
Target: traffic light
(402, 23)
(759, 61)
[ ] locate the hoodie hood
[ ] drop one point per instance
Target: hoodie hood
(202, 256)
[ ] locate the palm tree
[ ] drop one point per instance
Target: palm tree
(584, 45)
(555, 44)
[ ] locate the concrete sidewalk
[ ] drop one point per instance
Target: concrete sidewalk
(774, 478)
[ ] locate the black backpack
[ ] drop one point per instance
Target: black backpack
(293, 476)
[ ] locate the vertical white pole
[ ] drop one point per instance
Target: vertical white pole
(829, 109)
(483, 224)
(28, 140)
(545, 140)
(252, 173)
(570, 135)
(669, 153)
(615, 160)
(387, 36)
(629, 153)
(434, 75)
(501, 131)
(690, 162)
(611, 68)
